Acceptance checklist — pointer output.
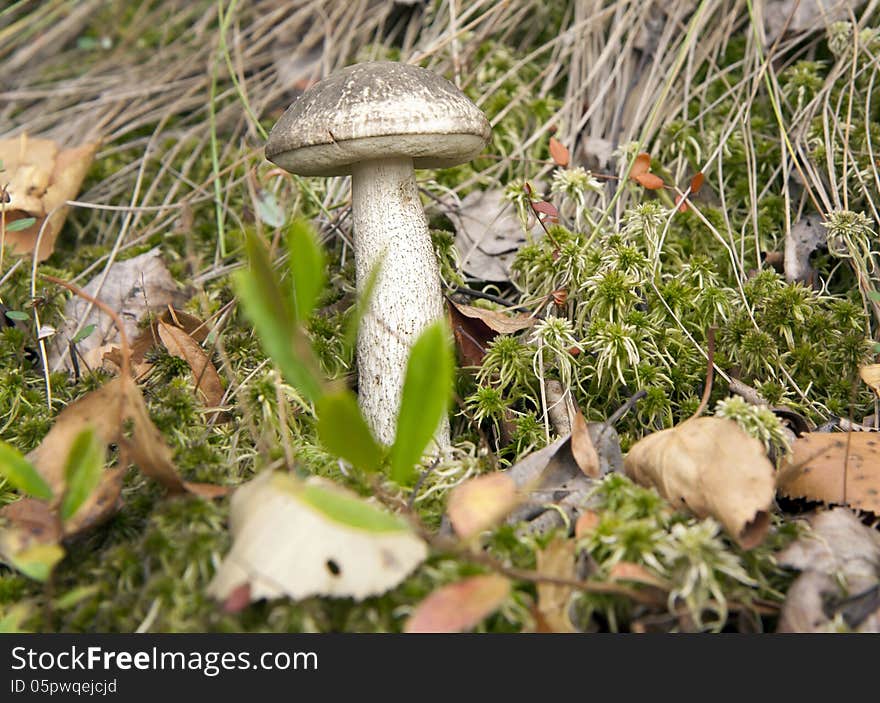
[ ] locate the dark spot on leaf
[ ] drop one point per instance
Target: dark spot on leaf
(333, 567)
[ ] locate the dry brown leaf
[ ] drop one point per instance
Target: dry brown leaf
(205, 376)
(837, 468)
(582, 447)
(42, 176)
(557, 559)
(149, 338)
(711, 467)
(496, 320)
(34, 519)
(459, 606)
(480, 503)
(101, 409)
(871, 375)
(146, 445)
(559, 153)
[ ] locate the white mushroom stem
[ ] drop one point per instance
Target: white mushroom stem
(390, 229)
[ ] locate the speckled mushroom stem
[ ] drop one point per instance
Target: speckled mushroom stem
(390, 227)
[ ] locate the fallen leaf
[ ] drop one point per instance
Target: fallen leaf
(556, 560)
(871, 375)
(839, 558)
(473, 328)
(496, 320)
(710, 466)
(546, 208)
(41, 177)
(459, 606)
(205, 376)
(488, 234)
(582, 447)
(836, 468)
(149, 338)
(132, 288)
(301, 539)
(559, 153)
(480, 503)
(552, 484)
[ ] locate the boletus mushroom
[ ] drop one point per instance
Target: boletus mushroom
(377, 122)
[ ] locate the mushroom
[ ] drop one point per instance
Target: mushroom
(377, 122)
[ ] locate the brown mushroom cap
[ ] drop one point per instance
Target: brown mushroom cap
(377, 110)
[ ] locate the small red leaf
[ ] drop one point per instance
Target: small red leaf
(546, 208)
(459, 606)
(650, 181)
(560, 296)
(559, 153)
(640, 165)
(681, 203)
(697, 182)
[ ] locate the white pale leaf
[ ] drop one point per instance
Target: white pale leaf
(285, 546)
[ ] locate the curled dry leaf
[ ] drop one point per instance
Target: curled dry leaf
(41, 176)
(205, 376)
(480, 503)
(709, 466)
(836, 468)
(315, 538)
(459, 606)
(556, 560)
(559, 153)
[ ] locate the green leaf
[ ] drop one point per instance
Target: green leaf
(85, 463)
(37, 562)
(344, 432)
(21, 473)
(267, 305)
(17, 315)
(425, 397)
(874, 295)
(83, 333)
(348, 510)
(306, 261)
(19, 225)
